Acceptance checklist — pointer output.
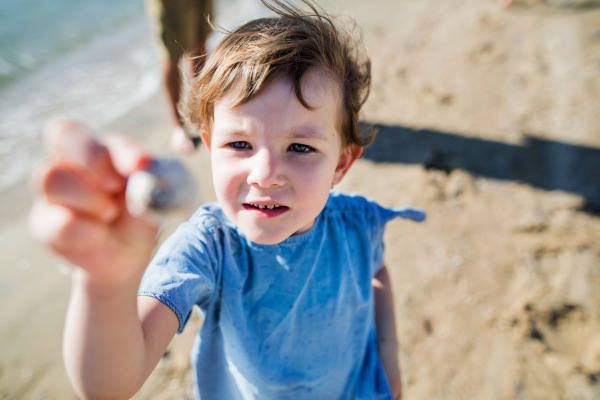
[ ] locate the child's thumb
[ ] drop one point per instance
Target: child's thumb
(127, 155)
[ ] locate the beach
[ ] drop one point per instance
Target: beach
(489, 120)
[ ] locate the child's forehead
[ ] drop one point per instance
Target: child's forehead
(316, 88)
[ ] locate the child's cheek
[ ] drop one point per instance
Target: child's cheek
(313, 181)
(228, 180)
(315, 172)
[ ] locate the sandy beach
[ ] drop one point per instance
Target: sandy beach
(489, 120)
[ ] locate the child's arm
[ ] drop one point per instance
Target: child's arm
(385, 321)
(113, 339)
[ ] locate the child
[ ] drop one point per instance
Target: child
(288, 274)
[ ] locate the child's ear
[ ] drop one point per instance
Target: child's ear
(347, 158)
(204, 137)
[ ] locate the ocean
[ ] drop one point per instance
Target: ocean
(85, 59)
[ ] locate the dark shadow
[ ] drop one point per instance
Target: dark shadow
(545, 164)
(581, 5)
(561, 6)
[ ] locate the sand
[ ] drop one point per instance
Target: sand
(489, 120)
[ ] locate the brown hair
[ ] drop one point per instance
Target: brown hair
(291, 45)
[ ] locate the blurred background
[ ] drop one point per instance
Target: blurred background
(489, 119)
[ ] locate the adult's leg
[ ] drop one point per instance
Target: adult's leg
(179, 142)
(172, 82)
(197, 58)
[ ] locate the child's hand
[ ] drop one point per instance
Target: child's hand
(79, 210)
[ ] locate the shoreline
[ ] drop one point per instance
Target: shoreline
(96, 84)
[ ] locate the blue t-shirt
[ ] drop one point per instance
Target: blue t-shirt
(294, 320)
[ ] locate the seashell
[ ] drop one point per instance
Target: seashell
(166, 187)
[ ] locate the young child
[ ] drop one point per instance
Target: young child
(288, 273)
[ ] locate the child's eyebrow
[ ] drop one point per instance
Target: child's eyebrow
(237, 133)
(306, 133)
(302, 133)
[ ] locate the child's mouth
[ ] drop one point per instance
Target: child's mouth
(265, 206)
(265, 210)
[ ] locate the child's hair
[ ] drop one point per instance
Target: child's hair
(291, 45)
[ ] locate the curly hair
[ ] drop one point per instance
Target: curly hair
(291, 44)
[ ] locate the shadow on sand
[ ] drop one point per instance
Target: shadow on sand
(545, 164)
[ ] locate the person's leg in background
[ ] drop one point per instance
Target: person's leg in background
(183, 29)
(179, 141)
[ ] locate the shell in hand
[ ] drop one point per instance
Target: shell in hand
(165, 187)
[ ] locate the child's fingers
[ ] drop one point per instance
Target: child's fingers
(64, 230)
(74, 145)
(127, 155)
(64, 187)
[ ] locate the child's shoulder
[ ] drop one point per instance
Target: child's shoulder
(351, 203)
(346, 203)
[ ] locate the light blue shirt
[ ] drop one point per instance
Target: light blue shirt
(294, 320)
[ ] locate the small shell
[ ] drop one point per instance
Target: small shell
(165, 187)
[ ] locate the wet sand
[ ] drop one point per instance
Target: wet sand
(497, 292)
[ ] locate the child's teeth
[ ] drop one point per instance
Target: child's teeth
(262, 207)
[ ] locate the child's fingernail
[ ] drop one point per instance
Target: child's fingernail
(143, 163)
(113, 184)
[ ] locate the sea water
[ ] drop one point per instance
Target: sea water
(90, 60)
(85, 59)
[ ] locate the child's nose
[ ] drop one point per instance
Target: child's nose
(265, 170)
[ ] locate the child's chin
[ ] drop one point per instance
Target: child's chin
(265, 237)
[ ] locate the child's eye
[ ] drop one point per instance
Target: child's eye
(301, 148)
(240, 145)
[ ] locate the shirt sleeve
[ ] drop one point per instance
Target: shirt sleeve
(381, 216)
(184, 270)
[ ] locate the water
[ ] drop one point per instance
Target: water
(85, 59)
(34, 32)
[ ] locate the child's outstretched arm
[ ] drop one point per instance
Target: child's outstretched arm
(112, 340)
(385, 321)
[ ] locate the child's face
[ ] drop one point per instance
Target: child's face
(274, 161)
